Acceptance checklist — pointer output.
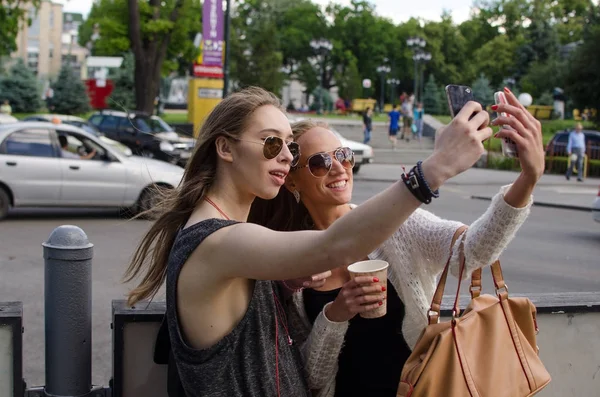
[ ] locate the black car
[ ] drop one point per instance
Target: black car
(557, 146)
(146, 135)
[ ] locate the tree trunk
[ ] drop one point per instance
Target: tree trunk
(149, 55)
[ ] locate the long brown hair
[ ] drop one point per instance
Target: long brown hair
(283, 213)
(229, 118)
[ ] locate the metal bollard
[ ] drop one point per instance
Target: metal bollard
(68, 312)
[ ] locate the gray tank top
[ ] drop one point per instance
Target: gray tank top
(243, 363)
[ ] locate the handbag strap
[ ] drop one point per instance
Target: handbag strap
(475, 287)
(434, 311)
(497, 276)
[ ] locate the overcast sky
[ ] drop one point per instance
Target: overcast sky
(398, 10)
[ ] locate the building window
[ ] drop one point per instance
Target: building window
(34, 29)
(32, 59)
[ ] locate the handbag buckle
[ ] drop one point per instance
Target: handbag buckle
(474, 288)
(502, 289)
(432, 313)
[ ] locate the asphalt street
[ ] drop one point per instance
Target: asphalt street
(555, 251)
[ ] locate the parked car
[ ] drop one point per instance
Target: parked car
(596, 207)
(34, 172)
(147, 136)
(81, 123)
(363, 153)
(557, 146)
(7, 119)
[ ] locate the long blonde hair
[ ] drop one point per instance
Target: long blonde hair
(229, 118)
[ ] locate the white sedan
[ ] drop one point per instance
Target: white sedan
(35, 171)
(596, 207)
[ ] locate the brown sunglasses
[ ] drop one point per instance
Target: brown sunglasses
(319, 164)
(273, 145)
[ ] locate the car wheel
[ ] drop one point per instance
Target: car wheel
(147, 153)
(4, 203)
(355, 169)
(149, 199)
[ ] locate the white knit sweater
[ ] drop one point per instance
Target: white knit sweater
(417, 254)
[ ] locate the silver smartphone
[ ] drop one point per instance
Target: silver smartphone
(509, 147)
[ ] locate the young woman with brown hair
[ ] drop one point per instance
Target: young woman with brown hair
(227, 326)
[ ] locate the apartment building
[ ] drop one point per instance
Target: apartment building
(50, 41)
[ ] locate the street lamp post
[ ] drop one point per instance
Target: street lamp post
(226, 62)
(423, 58)
(416, 44)
(383, 70)
(322, 47)
(393, 83)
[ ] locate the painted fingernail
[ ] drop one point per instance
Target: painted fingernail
(375, 280)
(494, 107)
(383, 288)
(380, 303)
(507, 90)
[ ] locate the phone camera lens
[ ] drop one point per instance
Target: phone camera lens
(468, 90)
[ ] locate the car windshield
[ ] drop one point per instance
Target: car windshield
(152, 125)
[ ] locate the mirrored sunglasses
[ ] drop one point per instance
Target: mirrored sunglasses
(319, 164)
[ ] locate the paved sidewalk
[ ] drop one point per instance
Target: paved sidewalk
(477, 183)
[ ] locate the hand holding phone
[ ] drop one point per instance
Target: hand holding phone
(509, 147)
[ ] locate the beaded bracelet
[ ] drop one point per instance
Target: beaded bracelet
(418, 186)
(433, 193)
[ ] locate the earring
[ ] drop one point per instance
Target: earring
(296, 195)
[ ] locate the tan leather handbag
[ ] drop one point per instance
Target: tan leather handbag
(488, 351)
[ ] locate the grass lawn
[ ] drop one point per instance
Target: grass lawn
(175, 118)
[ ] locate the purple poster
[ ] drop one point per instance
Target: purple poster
(212, 32)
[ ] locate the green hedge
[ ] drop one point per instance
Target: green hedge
(556, 165)
(549, 128)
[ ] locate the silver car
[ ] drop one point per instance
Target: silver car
(36, 171)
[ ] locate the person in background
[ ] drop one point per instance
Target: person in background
(5, 108)
(418, 121)
(407, 115)
(367, 124)
(576, 150)
(66, 154)
(394, 125)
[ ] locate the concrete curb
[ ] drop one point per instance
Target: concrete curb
(543, 204)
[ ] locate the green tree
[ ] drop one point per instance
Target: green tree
(543, 76)
(70, 96)
(123, 96)
(496, 58)
(348, 81)
(482, 91)
(546, 99)
(582, 83)
(13, 14)
(431, 97)
(444, 108)
(159, 33)
(448, 47)
(20, 88)
(255, 48)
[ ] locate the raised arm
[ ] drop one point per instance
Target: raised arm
(254, 252)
